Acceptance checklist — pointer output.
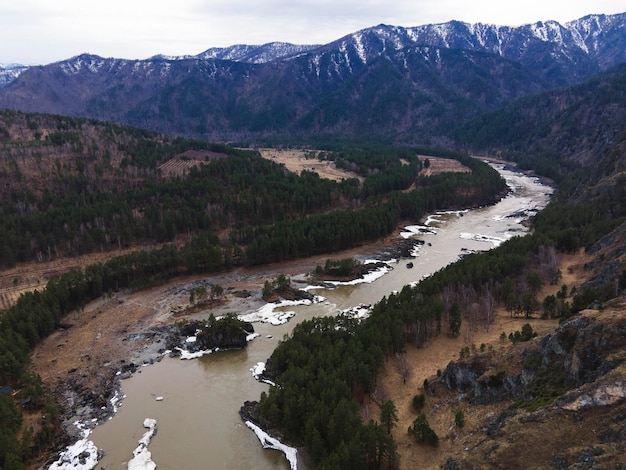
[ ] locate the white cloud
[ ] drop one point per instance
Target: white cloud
(40, 31)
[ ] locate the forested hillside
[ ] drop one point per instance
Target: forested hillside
(565, 134)
(323, 371)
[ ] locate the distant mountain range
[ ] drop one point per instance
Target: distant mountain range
(403, 84)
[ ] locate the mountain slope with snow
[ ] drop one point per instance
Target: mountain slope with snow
(385, 80)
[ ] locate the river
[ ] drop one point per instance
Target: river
(197, 411)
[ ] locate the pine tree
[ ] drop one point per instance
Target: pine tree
(389, 415)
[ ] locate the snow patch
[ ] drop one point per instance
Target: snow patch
(495, 241)
(360, 312)
(83, 455)
(413, 230)
(186, 355)
(269, 442)
(251, 336)
(366, 279)
(268, 313)
(116, 401)
(257, 372)
(142, 458)
(360, 48)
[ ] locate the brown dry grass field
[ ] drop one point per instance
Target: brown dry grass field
(181, 164)
(296, 160)
(26, 277)
(442, 165)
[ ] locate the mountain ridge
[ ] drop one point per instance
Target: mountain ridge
(350, 86)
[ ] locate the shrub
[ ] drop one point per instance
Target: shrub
(418, 402)
(459, 419)
(422, 432)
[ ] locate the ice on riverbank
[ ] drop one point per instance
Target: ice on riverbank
(186, 355)
(251, 336)
(428, 229)
(413, 230)
(268, 313)
(358, 312)
(268, 442)
(142, 458)
(83, 455)
(257, 372)
(116, 401)
(495, 241)
(365, 279)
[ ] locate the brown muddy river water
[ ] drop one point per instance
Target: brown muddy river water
(198, 422)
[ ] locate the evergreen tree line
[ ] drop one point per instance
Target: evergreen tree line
(247, 189)
(36, 314)
(241, 189)
(339, 230)
(325, 369)
(326, 366)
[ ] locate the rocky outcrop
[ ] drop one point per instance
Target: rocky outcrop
(602, 395)
(554, 402)
(580, 351)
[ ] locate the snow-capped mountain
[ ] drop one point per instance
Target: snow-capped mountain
(257, 54)
(9, 72)
(579, 48)
(384, 79)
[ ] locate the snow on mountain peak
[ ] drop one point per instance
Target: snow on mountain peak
(9, 72)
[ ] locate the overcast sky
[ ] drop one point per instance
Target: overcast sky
(44, 31)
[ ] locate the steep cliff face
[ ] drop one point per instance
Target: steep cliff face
(561, 399)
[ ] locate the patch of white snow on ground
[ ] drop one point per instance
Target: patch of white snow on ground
(416, 250)
(83, 455)
(142, 458)
(413, 230)
(268, 442)
(257, 371)
(116, 401)
(186, 355)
